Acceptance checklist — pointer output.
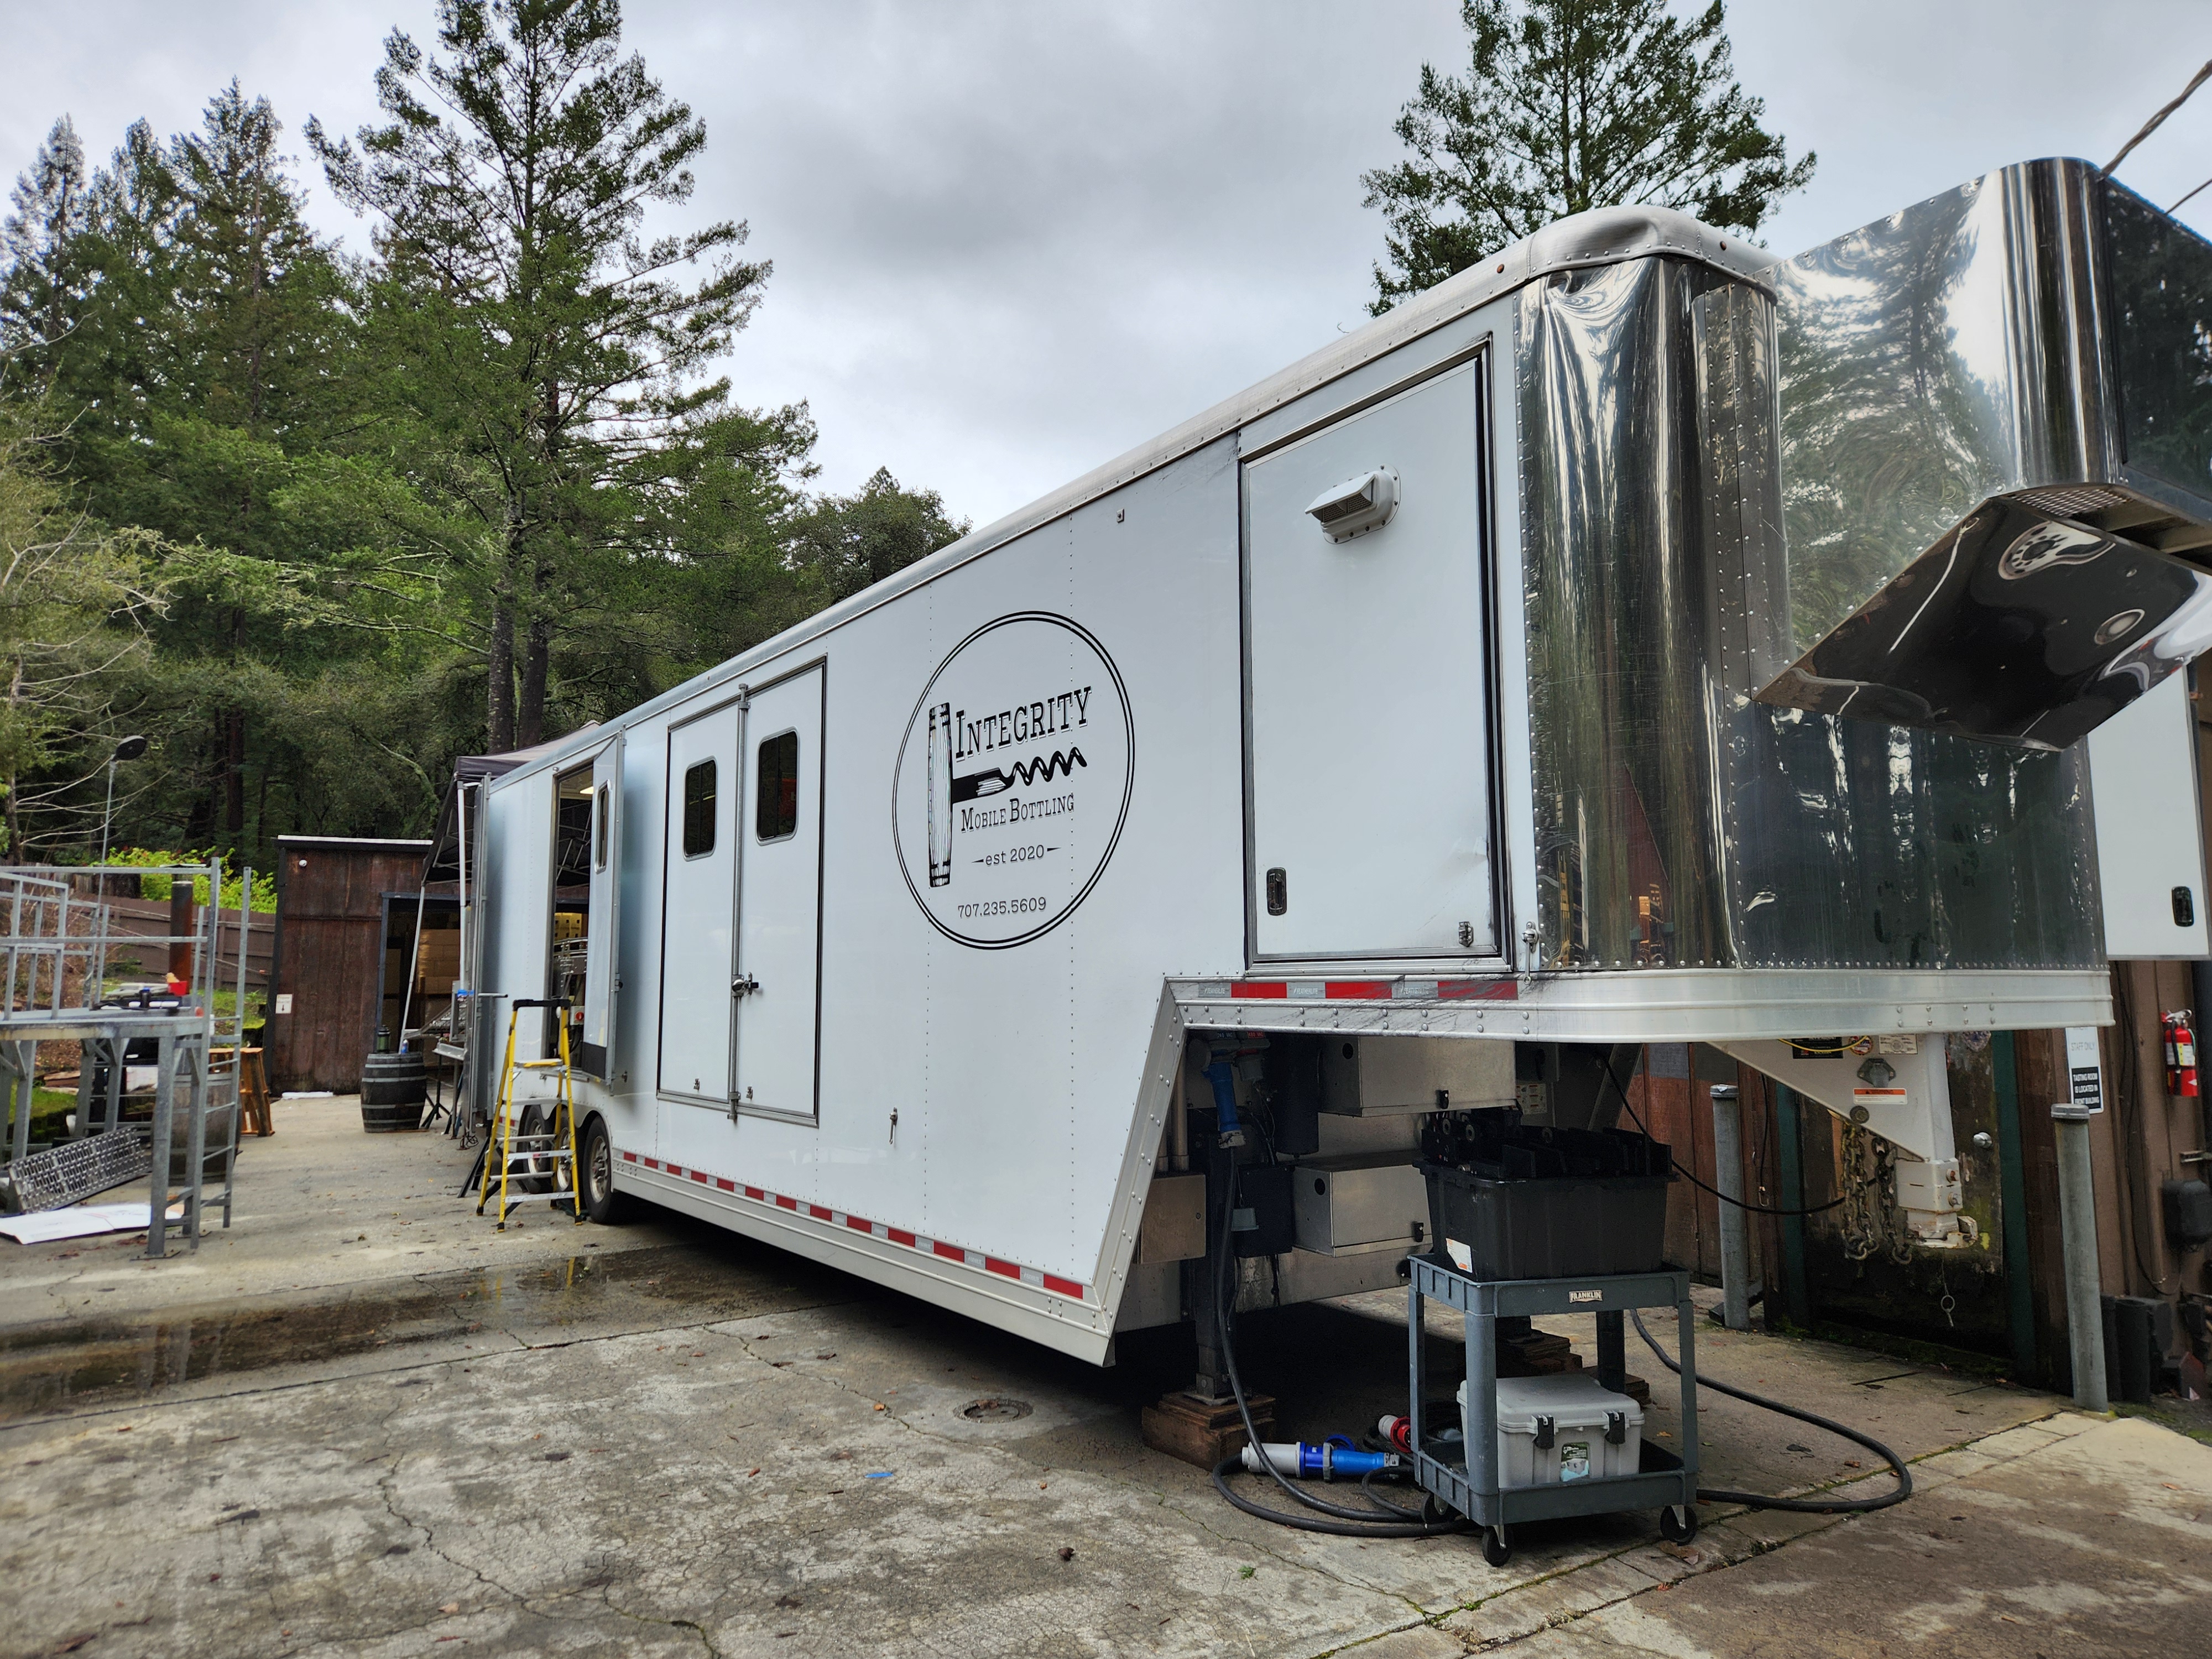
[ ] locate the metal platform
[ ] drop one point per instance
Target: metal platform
(57, 951)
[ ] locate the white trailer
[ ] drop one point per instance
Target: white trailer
(1479, 691)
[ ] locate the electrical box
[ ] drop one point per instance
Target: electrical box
(2150, 844)
(1262, 1224)
(1358, 1202)
(1379, 1077)
(1174, 1227)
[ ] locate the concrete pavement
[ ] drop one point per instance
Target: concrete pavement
(681, 1442)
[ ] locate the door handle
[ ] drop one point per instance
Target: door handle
(744, 986)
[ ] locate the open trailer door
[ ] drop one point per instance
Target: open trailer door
(602, 978)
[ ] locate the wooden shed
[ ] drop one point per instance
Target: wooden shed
(327, 980)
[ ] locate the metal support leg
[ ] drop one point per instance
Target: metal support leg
(1417, 1368)
(17, 1102)
(1686, 1337)
(84, 1070)
(1612, 1352)
(1480, 1421)
(116, 1047)
(2077, 1228)
(197, 1061)
(1727, 1175)
(157, 1179)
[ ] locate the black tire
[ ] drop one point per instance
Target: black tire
(533, 1174)
(1677, 1531)
(601, 1203)
(1497, 1546)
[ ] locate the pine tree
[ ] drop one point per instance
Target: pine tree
(1567, 106)
(851, 542)
(44, 281)
(554, 353)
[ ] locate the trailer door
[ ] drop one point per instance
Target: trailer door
(778, 983)
(1370, 727)
(601, 981)
(699, 897)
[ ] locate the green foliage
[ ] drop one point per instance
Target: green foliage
(564, 398)
(317, 524)
(851, 541)
(1567, 106)
(74, 599)
(161, 887)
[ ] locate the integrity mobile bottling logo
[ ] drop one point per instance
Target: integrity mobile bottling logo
(1013, 780)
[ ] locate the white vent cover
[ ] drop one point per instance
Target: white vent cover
(1354, 508)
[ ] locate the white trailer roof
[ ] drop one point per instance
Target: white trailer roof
(1604, 237)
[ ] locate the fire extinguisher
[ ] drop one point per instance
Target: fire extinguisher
(2180, 1054)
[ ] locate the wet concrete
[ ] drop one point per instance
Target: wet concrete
(104, 1360)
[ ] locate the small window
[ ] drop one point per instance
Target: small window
(600, 839)
(699, 810)
(775, 795)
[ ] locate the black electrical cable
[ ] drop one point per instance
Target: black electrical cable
(1613, 1078)
(1346, 1523)
(1801, 1505)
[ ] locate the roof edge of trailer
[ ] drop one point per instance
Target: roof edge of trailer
(416, 841)
(1604, 236)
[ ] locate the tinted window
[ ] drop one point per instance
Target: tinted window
(699, 809)
(600, 852)
(776, 793)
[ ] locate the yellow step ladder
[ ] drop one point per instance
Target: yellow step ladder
(546, 1154)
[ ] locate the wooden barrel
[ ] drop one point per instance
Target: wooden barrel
(393, 1080)
(390, 1119)
(393, 1090)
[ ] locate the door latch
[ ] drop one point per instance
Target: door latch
(744, 986)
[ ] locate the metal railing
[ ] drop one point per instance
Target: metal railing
(58, 951)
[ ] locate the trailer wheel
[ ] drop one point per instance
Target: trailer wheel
(533, 1172)
(1497, 1546)
(601, 1203)
(1681, 1531)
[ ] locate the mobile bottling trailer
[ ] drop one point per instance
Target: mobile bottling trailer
(1631, 639)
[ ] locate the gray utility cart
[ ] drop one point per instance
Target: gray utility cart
(1665, 1482)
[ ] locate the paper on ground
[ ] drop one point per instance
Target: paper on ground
(82, 1221)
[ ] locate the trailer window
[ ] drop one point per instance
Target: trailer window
(776, 793)
(699, 810)
(600, 845)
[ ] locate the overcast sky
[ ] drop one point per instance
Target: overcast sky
(1013, 240)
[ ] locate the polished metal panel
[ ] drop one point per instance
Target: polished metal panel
(1679, 824)
(2016, 626)
(1994, 433)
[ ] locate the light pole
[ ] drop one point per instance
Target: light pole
(130, 749)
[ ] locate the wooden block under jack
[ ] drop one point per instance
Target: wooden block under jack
(1202, 1431)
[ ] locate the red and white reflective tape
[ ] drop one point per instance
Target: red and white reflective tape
(937, 1248)
(1373, 990)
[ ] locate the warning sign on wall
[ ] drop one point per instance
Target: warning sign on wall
(2082, 1069)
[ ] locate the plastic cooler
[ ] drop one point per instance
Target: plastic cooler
(1553, 1430)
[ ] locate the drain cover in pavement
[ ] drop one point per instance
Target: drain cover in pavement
(995, 1410)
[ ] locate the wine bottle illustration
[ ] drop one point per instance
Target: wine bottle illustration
(940, 795)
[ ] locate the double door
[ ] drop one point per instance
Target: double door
(741, 920)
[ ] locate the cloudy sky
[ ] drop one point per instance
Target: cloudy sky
(1013, 238)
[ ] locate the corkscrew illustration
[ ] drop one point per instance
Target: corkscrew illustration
(945, 791)
(1025, 773)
